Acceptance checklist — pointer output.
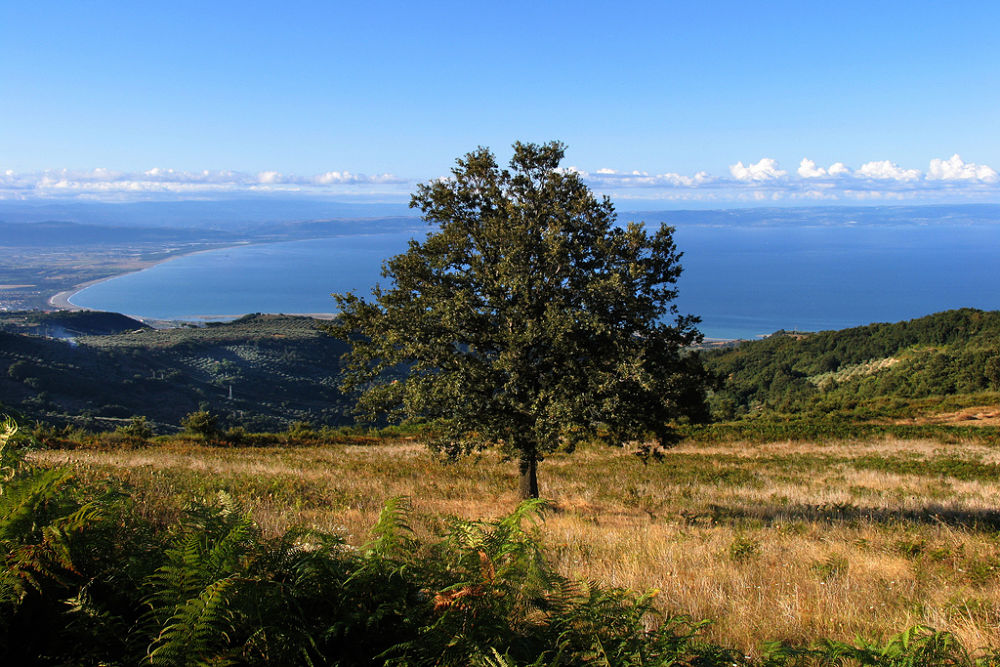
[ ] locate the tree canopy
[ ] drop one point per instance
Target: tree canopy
(526, 319)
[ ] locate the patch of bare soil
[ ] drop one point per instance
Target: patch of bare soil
(979, 415)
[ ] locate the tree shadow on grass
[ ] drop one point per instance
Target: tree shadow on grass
(978, 519)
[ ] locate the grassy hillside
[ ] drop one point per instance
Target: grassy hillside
(797, 541)
(876, 370)
(281, 369)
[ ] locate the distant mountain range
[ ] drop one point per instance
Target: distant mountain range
(828, 215)
(52, 233)
(253, 214)
(221, 214)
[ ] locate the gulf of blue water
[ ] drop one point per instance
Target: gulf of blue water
(743, 281)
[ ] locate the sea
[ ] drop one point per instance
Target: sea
(744, 281)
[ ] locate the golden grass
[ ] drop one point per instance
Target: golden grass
(786, 540)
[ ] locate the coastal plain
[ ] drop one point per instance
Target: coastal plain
(43, 263)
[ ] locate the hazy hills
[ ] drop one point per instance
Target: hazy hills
(50, 234)
(201, 214)
(821, 216)
(256, 213)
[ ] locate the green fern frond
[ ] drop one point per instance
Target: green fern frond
(214, 541)
(197, 633)
(10, 458)
(24, 505)
(392, 536)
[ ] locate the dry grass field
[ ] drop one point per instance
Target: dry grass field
(785, 540)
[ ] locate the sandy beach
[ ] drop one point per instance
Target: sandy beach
(61, 300)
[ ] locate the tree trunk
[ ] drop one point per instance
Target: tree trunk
(529, 478)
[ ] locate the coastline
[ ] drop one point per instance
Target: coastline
(61, 300)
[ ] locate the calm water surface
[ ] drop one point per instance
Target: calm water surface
(742, 281)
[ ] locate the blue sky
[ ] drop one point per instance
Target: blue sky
(682, 102)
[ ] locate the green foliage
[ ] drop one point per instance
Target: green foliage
(58, 550)
(949, 353)
(743, 548)
(771, 428)
(917, 646)
(138, 430)
(202, 423)
(301, 431)
(528, 318)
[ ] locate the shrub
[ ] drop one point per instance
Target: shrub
(138, 430)
(202, 424)
(301, 432)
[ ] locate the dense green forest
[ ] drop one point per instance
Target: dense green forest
(92, 369)
(871, 370)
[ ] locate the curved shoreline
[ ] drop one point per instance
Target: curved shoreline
(61, 300)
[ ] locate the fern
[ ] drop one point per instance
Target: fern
(197, 633)
(392, 537)
(10, 459)
(917, 646)
(32, 535)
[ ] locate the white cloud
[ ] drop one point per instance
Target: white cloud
(808, 169)
(765, 170)
(107, 183)
(334, 177)
(270, 177)
(955, 169)
(946, 179)
(838, 169)
(885, 170)
(642, 179)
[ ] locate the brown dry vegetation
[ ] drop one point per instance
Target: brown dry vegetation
(786, 540)
(979, 415)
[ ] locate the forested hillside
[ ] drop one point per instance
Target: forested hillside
(281, 369)
(68, 324)
(872, 369)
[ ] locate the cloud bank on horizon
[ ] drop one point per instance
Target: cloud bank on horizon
(945, 179)
(765, 180)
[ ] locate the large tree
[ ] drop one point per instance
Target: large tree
(526, 319)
